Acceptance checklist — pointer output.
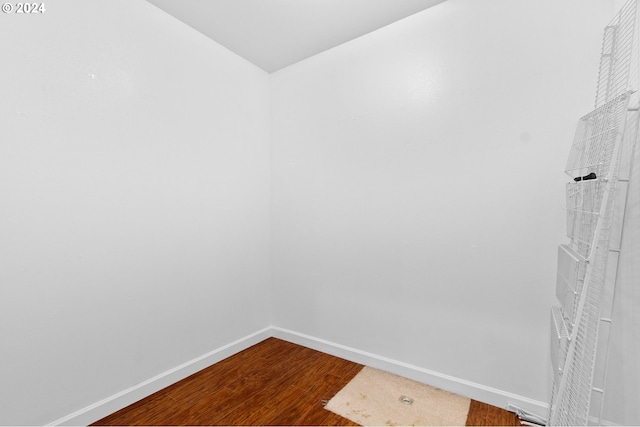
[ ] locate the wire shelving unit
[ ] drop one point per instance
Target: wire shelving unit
(583, 285)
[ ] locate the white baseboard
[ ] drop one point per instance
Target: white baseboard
(479, 392)
(131, 395)
(495, 397)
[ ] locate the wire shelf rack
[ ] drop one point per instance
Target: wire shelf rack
(616, 56)
(593, 164)
(594, 139)
(589, 214)
(573, 389)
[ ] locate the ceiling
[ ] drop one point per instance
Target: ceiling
(273, 34)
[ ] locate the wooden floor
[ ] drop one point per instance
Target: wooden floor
(272, 383)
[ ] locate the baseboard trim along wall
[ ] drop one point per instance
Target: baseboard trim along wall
(495, 397)
(479, 392)
(131, 395)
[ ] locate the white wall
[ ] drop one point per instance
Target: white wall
(418, 185)
(134, 202)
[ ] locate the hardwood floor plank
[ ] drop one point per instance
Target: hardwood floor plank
(482, 414)
(272, 383)
(301, 409)
(477, 414)
(501, 417)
